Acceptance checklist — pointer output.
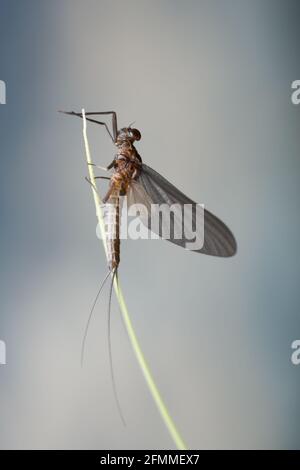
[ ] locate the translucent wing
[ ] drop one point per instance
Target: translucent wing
(185, 227)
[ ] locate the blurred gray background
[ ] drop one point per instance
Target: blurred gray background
(208, 83)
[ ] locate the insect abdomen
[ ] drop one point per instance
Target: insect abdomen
(112, 229)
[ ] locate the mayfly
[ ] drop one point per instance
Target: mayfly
(145, 187)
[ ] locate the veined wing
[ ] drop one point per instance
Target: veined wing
(150, 188)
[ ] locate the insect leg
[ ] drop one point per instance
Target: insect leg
(103, 168)
(107, 195)
(114, 120)
(93, 186)
(72, 113)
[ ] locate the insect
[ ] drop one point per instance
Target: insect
(144, 186)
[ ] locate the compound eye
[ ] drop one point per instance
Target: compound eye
(136, 134)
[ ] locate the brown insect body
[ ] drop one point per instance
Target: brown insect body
(126, 167)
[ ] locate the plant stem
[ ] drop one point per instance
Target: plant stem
(125, 314)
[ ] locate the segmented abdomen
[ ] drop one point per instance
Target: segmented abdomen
(112, 229)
